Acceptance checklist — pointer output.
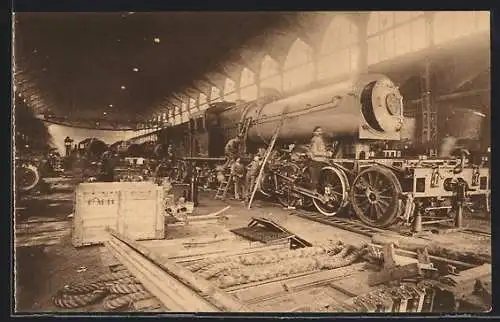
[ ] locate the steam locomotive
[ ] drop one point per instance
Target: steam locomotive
(362, 117)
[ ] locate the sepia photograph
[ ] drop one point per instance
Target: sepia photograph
(251, 161)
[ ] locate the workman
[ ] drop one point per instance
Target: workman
(238, 174)
(253, 169)
(319, 156)
(107, 167)
(232, 150)
(67, 144)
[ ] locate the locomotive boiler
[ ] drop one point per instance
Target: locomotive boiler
(368, 107)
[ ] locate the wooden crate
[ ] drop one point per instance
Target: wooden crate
(132, 208)
(140, 216)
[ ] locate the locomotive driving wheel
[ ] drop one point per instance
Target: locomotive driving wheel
(289, 173)
(334, 187)
(267, 184)
(375, 197)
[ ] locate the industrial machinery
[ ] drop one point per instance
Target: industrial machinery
(27, 176)
(361, 118)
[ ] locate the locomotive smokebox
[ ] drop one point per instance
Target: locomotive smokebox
(368, 107)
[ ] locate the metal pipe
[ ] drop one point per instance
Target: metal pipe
(436, 221)
(452, 96)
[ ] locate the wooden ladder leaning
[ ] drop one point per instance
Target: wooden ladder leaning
(264, 162)
(224, 187)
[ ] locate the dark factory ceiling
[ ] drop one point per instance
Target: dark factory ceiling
(122, 65)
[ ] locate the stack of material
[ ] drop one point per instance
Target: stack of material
(228, 272)
(174, 286)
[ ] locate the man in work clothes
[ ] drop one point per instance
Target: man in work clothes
(252, 173)
(319, 156)
(237, 174)
(232, 150)
(67, 144)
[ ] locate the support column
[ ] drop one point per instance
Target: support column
(428, 111)
(362, 24)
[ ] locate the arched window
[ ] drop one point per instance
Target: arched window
(449, 25)
(393, 33)
(270, 74)
(192, 104)
(230, 90)
(215, 94)
(298, 67)
(177, 116)
(248, 88)
(184, 107)
(339, 52)
(202, 101)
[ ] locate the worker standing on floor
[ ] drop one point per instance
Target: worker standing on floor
(67, 145)
(232, 150)
(252, 173)
(238, 174)
(319, 156)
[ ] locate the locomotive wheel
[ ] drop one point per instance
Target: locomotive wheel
(333, 185)
(290, 170)
(375, 197)
(266, 185)
(27, 177)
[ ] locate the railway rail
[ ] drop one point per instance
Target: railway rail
(346, 224)
(357, 227)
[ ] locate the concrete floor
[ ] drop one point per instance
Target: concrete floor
(46, 260)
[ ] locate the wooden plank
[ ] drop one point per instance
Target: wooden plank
(434, 259)
(182, 258)
(173, 294)
(354, 285)
(435, 248)
(107, 259)
(209, 291)
(294, 284)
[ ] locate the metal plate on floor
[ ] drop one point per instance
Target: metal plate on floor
(259, 233)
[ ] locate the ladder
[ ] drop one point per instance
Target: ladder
(224, 187)
(243, 131)
(266, 156)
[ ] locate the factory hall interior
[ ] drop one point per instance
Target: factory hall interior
(318, 161)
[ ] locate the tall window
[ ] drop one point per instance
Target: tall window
(215, 94)
(192, 104)
(298, 67)
(177, 117)
(270, 74)
(339, 52)
(248, 88)
(393, 33)
(230, 94)
(449, 25)
(202, 101)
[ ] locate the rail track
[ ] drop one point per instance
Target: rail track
(357, 227)
(351, 225)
